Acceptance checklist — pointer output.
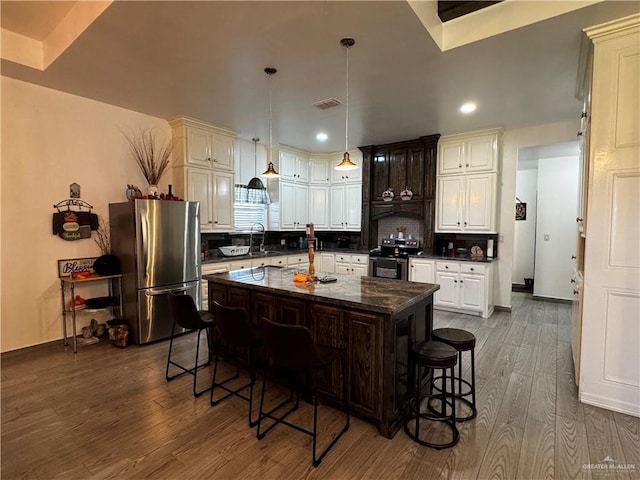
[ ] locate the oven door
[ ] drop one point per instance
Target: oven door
(394, 268)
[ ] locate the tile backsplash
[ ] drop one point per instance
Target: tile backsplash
(394, 224)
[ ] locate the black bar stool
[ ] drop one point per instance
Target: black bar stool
(186, 315)
(235, 332)
(431, 356)
(462, 341)
(291, 350)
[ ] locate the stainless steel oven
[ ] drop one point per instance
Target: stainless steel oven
(385, 267)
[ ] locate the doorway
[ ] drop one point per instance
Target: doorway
(546, 204)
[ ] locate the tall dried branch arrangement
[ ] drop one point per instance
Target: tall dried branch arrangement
(103, 236)
(151, 155)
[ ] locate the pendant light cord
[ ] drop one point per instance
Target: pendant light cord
(346, 122)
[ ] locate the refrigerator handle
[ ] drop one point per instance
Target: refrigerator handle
(153, 293)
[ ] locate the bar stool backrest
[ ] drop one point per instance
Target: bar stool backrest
(184, 311)
(234, 325)
(290, 346)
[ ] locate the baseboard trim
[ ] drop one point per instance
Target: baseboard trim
(610, 404)
(501, 308)
(553, 300)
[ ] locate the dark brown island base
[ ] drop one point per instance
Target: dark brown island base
(373, 319)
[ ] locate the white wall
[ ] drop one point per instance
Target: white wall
(525, 230)
(51, 139)
(513, 140)
(556, 233)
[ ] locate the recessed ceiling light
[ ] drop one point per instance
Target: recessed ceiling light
(322, 137)
(468, 107)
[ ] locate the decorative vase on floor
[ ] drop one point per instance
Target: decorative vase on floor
(153, 190)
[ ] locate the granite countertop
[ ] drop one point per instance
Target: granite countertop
(368, 293)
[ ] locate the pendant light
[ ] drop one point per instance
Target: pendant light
(346, 163)
(257, 192)
(270, 172)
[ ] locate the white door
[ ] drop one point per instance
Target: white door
(610, 357)
(223, 152)
(422, 271)
(319, 207)
(450, 158)
(447, 296)
(200, 189)
(327, 263)
(359, 270)
(472, 292)
(343, 268)
(199, 147)
(353, 206)
(288, 166)
(223, 201)
(302, 206)
(319, 171)
(480, 154)
(450, 196)
(287, 205)
(337, 207)
(479, 203)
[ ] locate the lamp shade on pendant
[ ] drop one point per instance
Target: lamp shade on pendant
(346, 163)
(270, 172)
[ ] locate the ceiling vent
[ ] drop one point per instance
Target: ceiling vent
(327, 103)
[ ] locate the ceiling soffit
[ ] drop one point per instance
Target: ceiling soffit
(37, 41)
(493, 20)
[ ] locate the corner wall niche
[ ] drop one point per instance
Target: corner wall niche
(399, 166)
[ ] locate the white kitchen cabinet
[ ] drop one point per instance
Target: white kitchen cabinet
(319, 211)
(346, 202)
(208, 269)
(293, 166)
(240, 264)
(203, 170)
(200, 144)
(467, 203)
(319, 173)
(422, 270)
(294, 206)
(352, 264)
(261, 262)
(465, 287)
(472, 152)
(327, 262)
(214, 191)
(279, 261)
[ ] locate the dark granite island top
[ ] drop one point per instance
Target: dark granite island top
(373, 319)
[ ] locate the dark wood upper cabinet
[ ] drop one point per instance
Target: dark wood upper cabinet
(409, 164)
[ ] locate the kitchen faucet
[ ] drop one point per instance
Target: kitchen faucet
(256, 228)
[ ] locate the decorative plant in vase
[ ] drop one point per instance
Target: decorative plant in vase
(151, 154)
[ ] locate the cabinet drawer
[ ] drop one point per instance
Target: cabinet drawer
(342, 258)
(360, 259)
(279, 261)
(473, 268)
(448, 267)
(215, 268)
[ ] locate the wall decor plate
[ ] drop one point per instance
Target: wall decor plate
(387, 195)
(406, 194)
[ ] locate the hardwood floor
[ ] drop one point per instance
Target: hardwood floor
(109, 413)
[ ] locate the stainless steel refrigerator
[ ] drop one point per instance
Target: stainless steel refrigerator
(158, 245)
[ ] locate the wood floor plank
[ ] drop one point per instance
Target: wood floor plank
(501, 457)
(628, 428)
(546, 360)
(602, 437)
(542, 402)
(571, 449)
(537, 453)
(525, 362)
(515, 404)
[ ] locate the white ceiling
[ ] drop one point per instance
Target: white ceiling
(205, 59)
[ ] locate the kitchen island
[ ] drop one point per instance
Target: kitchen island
(373, 319)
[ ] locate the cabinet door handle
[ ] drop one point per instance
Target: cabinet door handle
(455, 281)
(446, 267)
(215, 159)
(573, 280)
(573, 257)
(459, 165)
(215, 221)
(458, 223)
(467, 165)
(461, 281)
(576, 291)
(465, 224)
(471, 269)
(208, 159)
(578, 220)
